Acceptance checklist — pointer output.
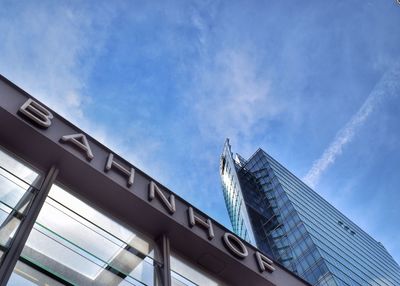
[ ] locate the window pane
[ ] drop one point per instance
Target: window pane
(15, 167)
(17, 189)
(79, 245)
(187, 274)
(24, 275)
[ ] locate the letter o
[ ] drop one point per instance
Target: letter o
(235, 245)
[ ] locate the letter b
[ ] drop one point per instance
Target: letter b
(37, 113)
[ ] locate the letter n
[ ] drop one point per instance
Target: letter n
(169, 204)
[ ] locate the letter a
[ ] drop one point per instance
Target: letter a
(264, 263)
(80, 141)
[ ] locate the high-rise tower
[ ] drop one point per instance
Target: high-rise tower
(273, 209)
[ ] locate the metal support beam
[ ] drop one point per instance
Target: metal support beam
(164, 256)
(21, 235)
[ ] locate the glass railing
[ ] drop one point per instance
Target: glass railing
(78, 245)
(179, 280)
(26, 275)
(16, 196)
(185, 273)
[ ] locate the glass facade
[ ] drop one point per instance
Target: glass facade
(233, 196)
(18, 186)
(301, 230)
(81, 246)
(73, 243)
(184, 273)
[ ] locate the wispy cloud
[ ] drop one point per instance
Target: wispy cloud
(386, 86)
(49, 50)
(233, 96)
(231, 90)
(202, 16)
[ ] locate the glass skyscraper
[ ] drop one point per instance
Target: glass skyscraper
(273, 209)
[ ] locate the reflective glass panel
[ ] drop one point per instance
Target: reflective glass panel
(18, 186)
(184, 273)
(25, 275)
(81, 246)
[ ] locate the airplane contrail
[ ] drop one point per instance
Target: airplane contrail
(386, 86)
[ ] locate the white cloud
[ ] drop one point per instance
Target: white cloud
(49, 50)
(40, 53)
(202, 17)
(385, 87)
(233, 96)
(231, 92)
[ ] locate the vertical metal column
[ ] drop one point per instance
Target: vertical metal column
(165, 252)
(13, 253)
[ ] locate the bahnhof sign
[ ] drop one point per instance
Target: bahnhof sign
(75, 213)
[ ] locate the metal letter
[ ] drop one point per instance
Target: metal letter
(110, 163)
(153, 189)
(80, 141)
(37, 113)
(204, 223)
(264, 263)
(238, 248)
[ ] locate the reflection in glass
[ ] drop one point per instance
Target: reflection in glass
(81, 246)
(25, 275)
(11, 167)
(184, 273)
(17, 189)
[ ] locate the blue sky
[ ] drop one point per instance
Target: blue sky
(314, 83)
